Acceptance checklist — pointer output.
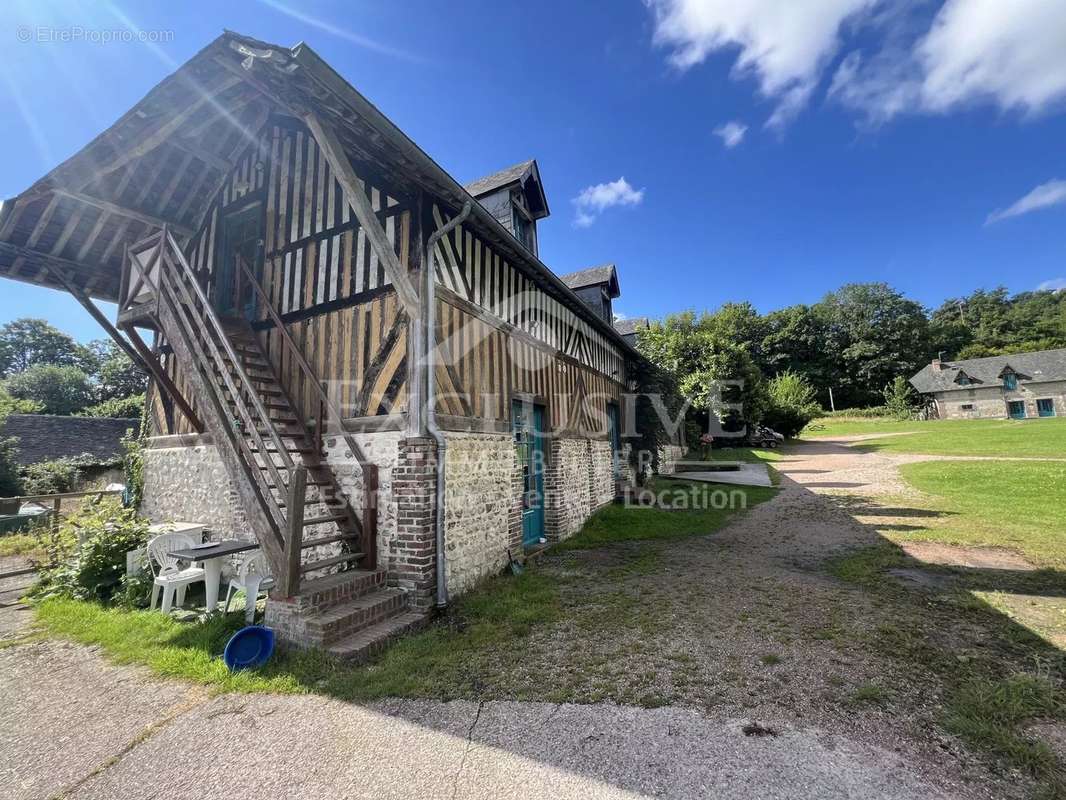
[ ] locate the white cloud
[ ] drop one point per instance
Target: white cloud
(1053, 285)
(785, 46)
(731, 133)
(1009, 54)
(1048, 194)
(593, 200)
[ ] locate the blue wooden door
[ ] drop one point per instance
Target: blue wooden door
(1016, 409)
(1045, 407)
(527, 421)
(614, 435)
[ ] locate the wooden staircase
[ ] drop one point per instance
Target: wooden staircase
(329, 592)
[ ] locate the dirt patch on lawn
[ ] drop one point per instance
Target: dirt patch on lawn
(971, 557)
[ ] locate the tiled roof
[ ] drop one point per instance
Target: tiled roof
(43, 437)
(1043, 365)
(604, 273)
(631, 325)
(497, 179)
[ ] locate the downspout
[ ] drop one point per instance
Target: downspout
(429, 296)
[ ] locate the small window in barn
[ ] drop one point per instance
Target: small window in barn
(1010, 381)
(967, 406)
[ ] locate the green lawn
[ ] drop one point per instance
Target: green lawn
(1002, 504)
(1034, 438)
(485, 632)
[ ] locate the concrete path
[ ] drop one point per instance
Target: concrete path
(744, 475)
(74, 726)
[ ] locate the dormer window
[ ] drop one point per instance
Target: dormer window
(1010, 381)
(515, 197)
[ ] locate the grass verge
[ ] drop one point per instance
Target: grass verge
(1031, 438)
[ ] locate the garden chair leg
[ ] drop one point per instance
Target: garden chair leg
(181, 596)
(229, 597)
(168, 598)
(251, 594)
(155, 596)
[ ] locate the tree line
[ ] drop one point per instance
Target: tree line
(45, 371)
(856, 340)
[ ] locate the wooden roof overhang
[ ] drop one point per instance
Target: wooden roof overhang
(164, 160)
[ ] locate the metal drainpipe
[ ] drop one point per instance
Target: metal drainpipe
(430, 296)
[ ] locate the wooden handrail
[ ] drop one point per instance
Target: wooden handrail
(36, 498)
(306, 368)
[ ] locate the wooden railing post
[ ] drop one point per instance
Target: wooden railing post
(295, 532)
(56, 505)
(370, 516)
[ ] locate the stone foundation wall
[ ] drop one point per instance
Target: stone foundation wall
(185, 481)
(669, 455)
(990, 402)
(577, 480)
(383, 450)
(478, 507)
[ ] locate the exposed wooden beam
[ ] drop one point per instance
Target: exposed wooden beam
(162, 378)
(124, 211)
(161, 131)
(98, 315)
(44, 259)
(360, 203)
(205, 155)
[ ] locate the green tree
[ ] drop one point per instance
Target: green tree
(26, 342)
(116, 376)
(59, 390)
(900, 398)
(132, 406)
(877, 334)
(791, 403)
(711, 370)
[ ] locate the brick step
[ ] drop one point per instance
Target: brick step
(342, 620)
(367, 643)
(331, 590)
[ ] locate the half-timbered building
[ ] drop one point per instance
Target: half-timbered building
(354, 359)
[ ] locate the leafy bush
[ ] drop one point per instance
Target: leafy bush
(54, 477)
(12, 405)
(10, 479)
(791, 404)
(95, 568)
(131, 406)
(901, 401)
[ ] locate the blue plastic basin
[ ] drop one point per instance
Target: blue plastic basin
(249, 648)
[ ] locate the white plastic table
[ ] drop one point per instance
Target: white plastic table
(211, 558)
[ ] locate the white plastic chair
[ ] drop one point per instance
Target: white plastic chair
(252, 575)
(170, 577)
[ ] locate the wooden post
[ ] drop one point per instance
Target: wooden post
(56, 503)
(370, 516)
(295, 532)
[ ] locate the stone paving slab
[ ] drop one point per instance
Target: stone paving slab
(746, 475)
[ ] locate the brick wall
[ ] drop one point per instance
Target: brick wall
(411, 560)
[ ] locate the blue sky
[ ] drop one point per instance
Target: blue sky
(769, 152)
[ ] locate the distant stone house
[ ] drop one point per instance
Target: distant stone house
(1018, 386)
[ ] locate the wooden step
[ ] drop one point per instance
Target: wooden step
(318, 541)
(332, 561)
(338, 517)
(368, 642)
